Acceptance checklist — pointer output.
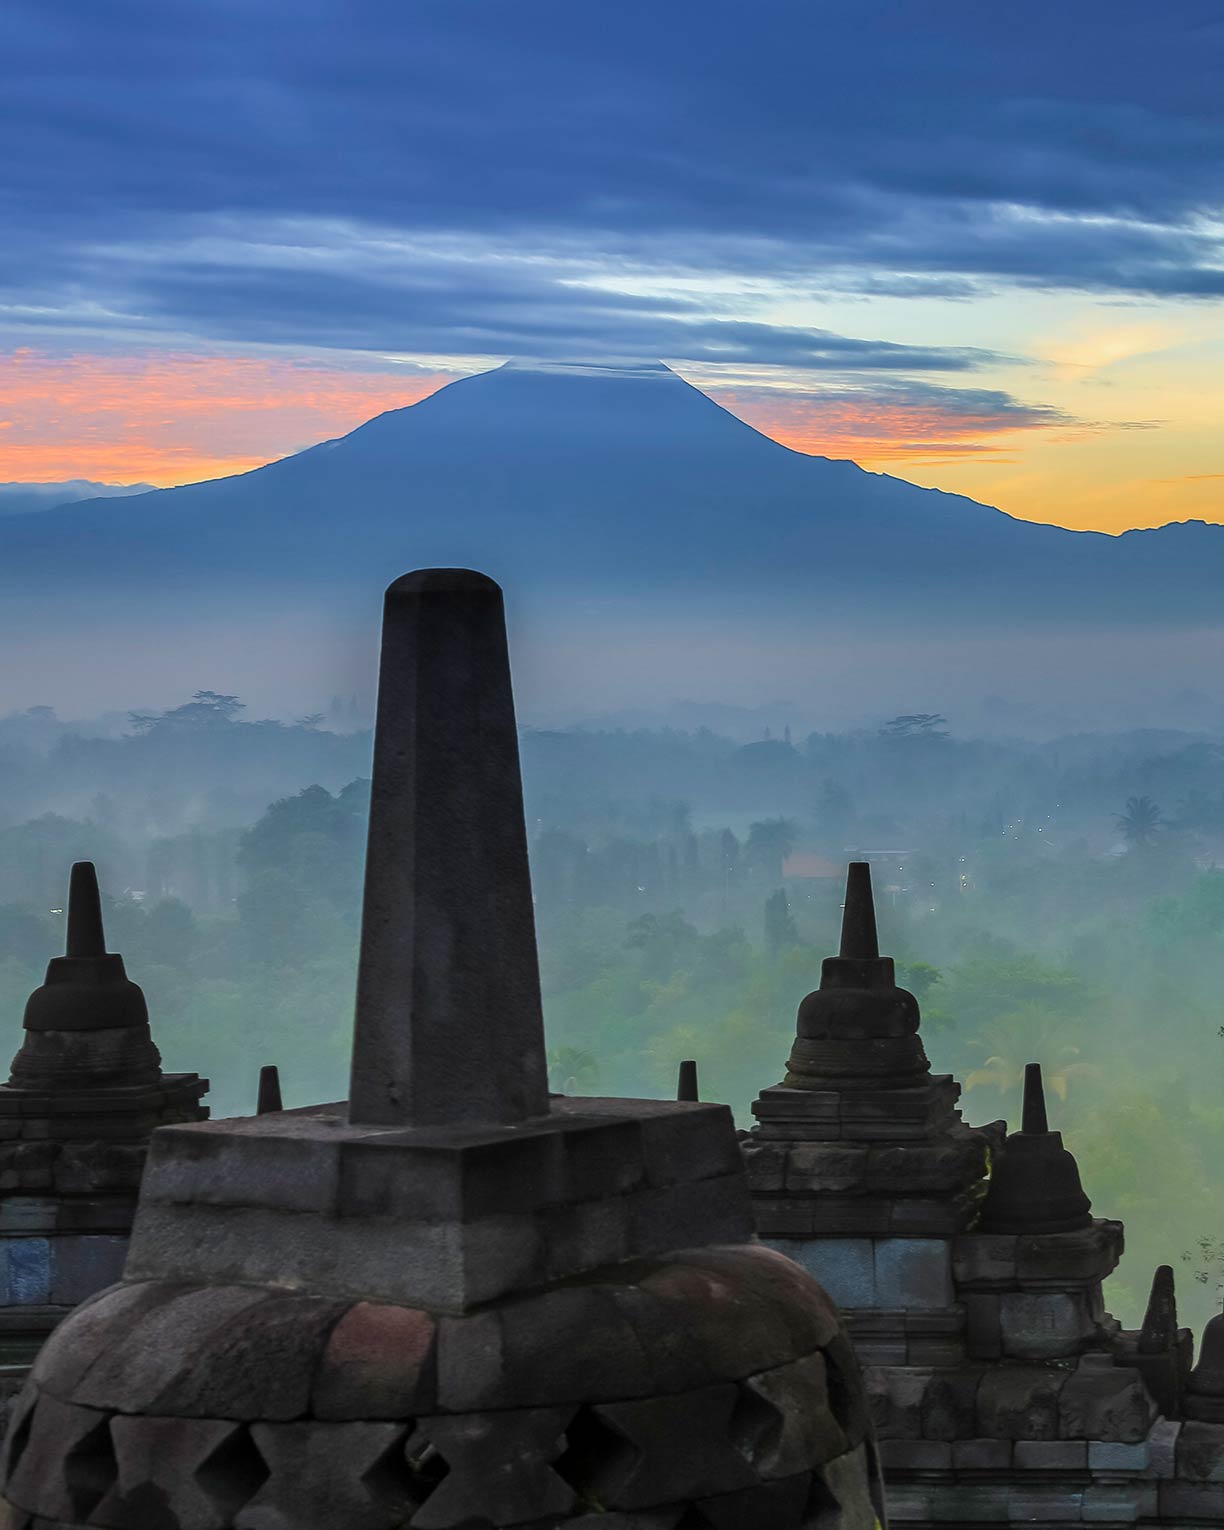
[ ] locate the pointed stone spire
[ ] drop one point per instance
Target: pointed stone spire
(269, 1098)
(1035, 1182)
(87, 990)
(686, 1083)
(1159, 1331)
(859, 941)
(449, 1027)
(1203, 1398)
(858, 1030)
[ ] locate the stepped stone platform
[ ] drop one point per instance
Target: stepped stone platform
(455, 1302)
(968, 1267)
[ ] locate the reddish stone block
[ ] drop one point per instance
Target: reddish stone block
(380, 1363)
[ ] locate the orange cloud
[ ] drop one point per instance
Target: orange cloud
(169, 419)
(878, 429)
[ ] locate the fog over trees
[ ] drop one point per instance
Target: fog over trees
(1059, 901)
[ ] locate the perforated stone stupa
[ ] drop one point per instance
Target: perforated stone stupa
(454, 1301)
(1001, 1389)
(85, 1094)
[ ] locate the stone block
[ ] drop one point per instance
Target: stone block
(81, 1265)
(99, 1325)
(67, 1465)
(913, 1273)
(1043, 1325)
(895, 1397)
(1106, 1403)
(916, 1455)
(380, 1363)
(781, 1504)
(25, 1272)
(981, 1455)
(782, 1219)
(1182, 1502)
(1044, 1505)
(688, 1216)
(27, 1214)
(845, 1267)
(322, 1475)
(844, 1478)
(967, 1503)
(1087, 1255)
(1051, 1455)
(983, 1330)
(949, 1404)
(585, 1236)
(764, 1164)
(837, 1167)
(1118, 1456)
(1200, 1452)
(987, 1259)
(1162, 1446)
(1019, 1402)
(560, 1346)
(1120, 1503)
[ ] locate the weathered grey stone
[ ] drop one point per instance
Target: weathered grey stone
(1027, 1505)
(847, 1478)
(845, 1267)
(818, 1166)
(1019, 1403)
(179, 1471)
(1110, 1403)
(1119, 1503)
(1118, 1456)
(983, 1331)
(896, 1399)
(25, 1271)
(794, 1429)
(380, 1363)
(982, 1455)
(780, 1504)
(67, 1465)
(502, 1468)
(449, 1025)
(984, 1259)
(1044, 1325)
(916, 1455)
(913, 1272)
(949, 1404)
(99, 1325)
(1200, 1452)
(82, 1265)
(1051, 1455)
(1162, 1446)
(324, 1475)
(1186, 1501)
(1089, 1254)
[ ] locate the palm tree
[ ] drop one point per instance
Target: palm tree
(770, 841)
(1140, 822)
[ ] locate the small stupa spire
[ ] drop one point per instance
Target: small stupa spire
(1159, 1331)
(1033, 1117)
(1204, 1395)
(269, 1097)
(859, 940)
(85, 934)
(686, 1084)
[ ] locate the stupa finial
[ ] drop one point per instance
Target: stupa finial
(85, 934)
(449, 1026)
(269, 1096)
(859, 940)
(1033, 1117)
(686, 1083)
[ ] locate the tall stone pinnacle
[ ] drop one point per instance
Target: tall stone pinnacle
(1159, 1331)
(449, 1027)
(85, 934)
(1033, 1116)
(268, 1098)
(686, 1081)
(859, 941)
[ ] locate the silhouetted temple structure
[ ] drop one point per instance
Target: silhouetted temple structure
(455, 1302)
(85, 1094)
(1001, 1389)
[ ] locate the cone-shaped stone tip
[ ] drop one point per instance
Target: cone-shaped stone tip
(686, 1084)
(85, 934)
(859, 940)
(1034, 1118)
(269, 1098)
(442, 581)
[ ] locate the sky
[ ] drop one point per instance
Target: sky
(977, 246)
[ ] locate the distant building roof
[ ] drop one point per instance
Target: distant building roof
(805, 863)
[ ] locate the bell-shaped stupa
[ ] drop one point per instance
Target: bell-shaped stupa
(454, 1301)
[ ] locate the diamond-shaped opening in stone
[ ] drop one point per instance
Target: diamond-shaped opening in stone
(90, 1469)
(756, 1425)
(596, 1460)
(842, 1392)
(406, 1473)
(234, 1471)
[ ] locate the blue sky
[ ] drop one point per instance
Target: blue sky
(983, 242)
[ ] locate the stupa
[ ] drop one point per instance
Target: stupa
(453, 1302)
(85, 1093)
(969, 1267)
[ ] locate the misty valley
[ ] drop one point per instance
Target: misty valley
(1057, 901)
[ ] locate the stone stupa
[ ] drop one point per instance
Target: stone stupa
(455, 1302)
